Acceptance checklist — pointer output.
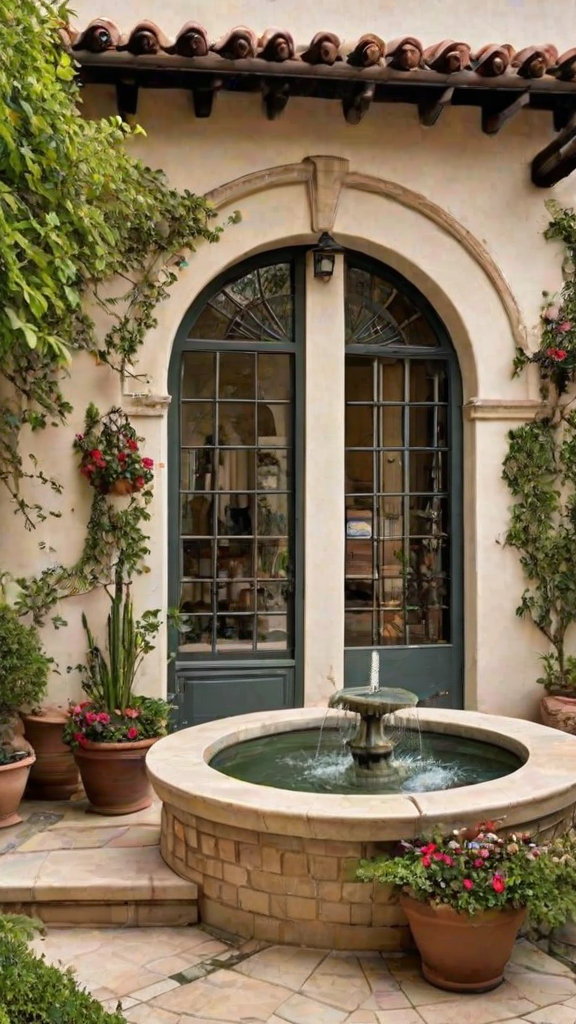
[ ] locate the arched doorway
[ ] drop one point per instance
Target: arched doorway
(237, 471)
(236, 450)
(403, 571)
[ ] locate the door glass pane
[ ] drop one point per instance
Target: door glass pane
(259, 306)
(236, 501)
(237, 375)
(397, 545)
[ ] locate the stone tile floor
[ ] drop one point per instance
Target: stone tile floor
(193, 976)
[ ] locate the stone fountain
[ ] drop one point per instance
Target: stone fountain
(371, 746)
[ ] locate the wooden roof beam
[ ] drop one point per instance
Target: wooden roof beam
(494, 118)
(275, 96)
(429, 110)
(556, 161)
(357, 103)
(203, 96)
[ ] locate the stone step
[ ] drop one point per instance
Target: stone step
(117, 886)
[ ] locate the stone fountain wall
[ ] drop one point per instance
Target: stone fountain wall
(285, 889)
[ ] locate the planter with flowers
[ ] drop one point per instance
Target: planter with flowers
(23, 680)
(467, 894)
(110, 456)
(112, 730)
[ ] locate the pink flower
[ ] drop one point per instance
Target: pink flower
(148, 463)
(79, 437)
(468, 884)
(425, 862)
(552, 312)
(91, 717)
(103, 717)
(78, 737)
(77, 710)
(484, 853)
(427, 850)
(565, 326)
(132, 713)
(498, 883)
(437, 855)
(479, 863)
(132, 732)
(448, 861)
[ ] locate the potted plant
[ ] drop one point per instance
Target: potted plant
(110, 456)
(558, 707)
(467, 894)
(54, 774)
(23, 681)
(112, 730)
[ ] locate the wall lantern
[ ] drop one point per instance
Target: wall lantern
(325, 253)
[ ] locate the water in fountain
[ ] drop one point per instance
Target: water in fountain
(378, 751)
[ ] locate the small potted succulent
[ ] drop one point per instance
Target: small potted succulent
(110, 456)
(558, 707)
(23, 681)
(112, 730)
(466, 896)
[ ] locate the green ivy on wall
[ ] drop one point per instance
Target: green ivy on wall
(540, 471)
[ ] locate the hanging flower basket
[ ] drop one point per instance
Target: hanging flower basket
(110, 456)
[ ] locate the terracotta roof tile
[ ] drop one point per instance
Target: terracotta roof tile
(277, 45)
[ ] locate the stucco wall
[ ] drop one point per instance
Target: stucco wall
(481, 182)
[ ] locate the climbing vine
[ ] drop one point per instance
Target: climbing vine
(540, 471)
(77, 212)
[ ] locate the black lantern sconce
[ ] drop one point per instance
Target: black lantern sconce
(325, 256)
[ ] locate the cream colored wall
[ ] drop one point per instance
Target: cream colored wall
(481, 182)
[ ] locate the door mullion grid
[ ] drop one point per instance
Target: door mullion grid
(215, 502)
(406, 499)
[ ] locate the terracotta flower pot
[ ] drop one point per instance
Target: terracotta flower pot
(462, 953)
(559, 712)
(13, 779)
(54, 776)
(114, 775)
(122, 487)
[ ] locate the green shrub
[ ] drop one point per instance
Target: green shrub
(33, 992)
(23, 664)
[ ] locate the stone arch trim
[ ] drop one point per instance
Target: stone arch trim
(325, 176)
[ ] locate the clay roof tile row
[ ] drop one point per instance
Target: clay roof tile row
(277, 45)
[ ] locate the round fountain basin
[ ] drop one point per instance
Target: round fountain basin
(278, 865)
(318, 761)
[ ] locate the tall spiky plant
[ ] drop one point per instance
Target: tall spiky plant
(109, 680)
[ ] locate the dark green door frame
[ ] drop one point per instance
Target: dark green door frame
(426, 669)
(210, 686)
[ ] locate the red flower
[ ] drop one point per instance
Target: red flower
(121, 456)
(132, 732)
(448, 860)
(139, 483)
(96, 454)
(132, 445)
(425, 862)
(78, 737)
(148, 463)
(91, 717)
(468, 884)
(103, 717)
(132, 713)
(498, 883)
(87, 469)
(479, 863)
(427, 850)
(557, 354)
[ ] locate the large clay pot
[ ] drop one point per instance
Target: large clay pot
(559, 712)
(13, 779)
(54, 776)
(114, 776)
(461, 953)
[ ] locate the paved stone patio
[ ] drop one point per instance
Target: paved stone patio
(189, 976)
(194, 975)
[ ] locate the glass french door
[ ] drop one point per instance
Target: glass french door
(403, 489)
(235, 564)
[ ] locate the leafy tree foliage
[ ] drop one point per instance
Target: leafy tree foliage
(76, 211)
